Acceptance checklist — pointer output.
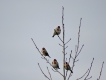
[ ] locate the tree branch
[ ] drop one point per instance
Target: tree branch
(44, 57)
(58, 72)
(49, 73)
(68, 41)
(89, 70)
(63, 42)
(60, 45)
(43, 72)
(59, 38)
(89, 78)
(76, 50)
(83, 75)
(100, 71)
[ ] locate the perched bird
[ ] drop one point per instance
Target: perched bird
(45, 53)
(55, 64)
(67, 66)
(57, 31)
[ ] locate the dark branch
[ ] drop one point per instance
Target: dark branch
(66, 47)
(65, 53)
(70, 56)
(60, 38)
(68, 41)
(58, 72)
(77, 60)
(78, 35)
(89, 78)
(60, 45)
(100, 71)
(49, 73)
(66, 73)
(36, 47)
(43, 72)
(80, 50)
(83, 75)
(89, 69)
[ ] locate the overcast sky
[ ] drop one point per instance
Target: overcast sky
(21, 20)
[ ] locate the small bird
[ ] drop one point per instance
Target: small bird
(55, 64)
(67, 66)
(57, 31)
(45, 53)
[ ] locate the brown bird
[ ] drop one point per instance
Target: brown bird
(55, 64)
(57, 31)
(67, 66)
(45, 53)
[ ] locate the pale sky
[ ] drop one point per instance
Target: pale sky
(21, 20)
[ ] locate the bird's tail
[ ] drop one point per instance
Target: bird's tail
(71, 71)
(53, 36)
(49, 56)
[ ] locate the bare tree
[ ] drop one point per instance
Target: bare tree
(77, 53)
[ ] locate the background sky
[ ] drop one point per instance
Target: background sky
(21, 20)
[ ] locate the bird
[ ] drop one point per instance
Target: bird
(57, 31)
(55, 64)
(67, 66)
(45, 53)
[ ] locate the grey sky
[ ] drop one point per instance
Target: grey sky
(21, 20)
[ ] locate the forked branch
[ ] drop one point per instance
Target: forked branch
(44, 57)
(76, 50)
(49, 73)
(43, 72)
(89, 71)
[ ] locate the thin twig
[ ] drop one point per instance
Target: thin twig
(80, 50)
(60, 45)
(77, 60)
(83, 75)
(100, 71)
(66, 59)
(79, 35)
(65, 53)
(70, 56)
(59, 38)
(43, 72)
(66, 47)
(49, 73)
(68, 41)
(89, 69)
(36, 47)
(58, 72)
(89, 78)
(66, 73)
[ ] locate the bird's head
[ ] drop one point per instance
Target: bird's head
(59, 27)
(43, 48)
(66, 63)
(55, 60)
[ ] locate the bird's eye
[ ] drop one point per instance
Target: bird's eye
(58, 26)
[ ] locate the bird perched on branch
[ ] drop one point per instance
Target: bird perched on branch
(67, 66)
(55, 64)
(45, 53)
(57, 31)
